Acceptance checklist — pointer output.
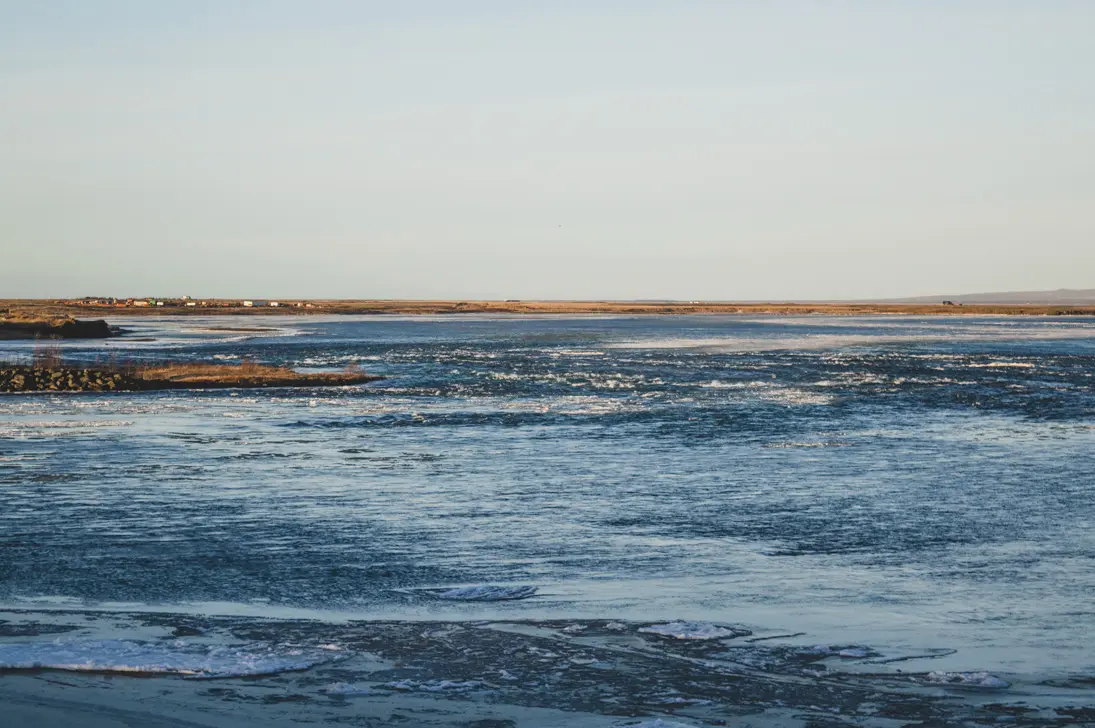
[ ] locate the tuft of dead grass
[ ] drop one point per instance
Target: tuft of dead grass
(188, 371)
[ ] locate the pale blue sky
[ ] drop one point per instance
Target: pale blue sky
(714, 150)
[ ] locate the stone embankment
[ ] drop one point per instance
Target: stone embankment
(65, 379)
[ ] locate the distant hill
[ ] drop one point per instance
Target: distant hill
(1061, 296)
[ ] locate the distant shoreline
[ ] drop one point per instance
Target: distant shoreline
(31, 308)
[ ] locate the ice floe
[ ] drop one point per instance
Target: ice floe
(488, 593)
(967, 680)
(690, 631)
(171, 658)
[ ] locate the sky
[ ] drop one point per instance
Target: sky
(566, 150)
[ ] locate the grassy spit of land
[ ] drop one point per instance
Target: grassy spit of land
(53, 375)
(29, 324)
(42, 309)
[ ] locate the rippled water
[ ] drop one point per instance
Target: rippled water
(900, 481)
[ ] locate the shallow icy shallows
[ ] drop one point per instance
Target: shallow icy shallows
(502, 451)
(172, 658)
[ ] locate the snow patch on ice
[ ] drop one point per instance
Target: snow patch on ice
(968, 680)
(690, 631)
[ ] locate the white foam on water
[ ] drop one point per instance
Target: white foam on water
(67, 424)
(792, 445)
(689, 630)
(793, 395)
(572, 352)
(162, 658)
(488, 593)
(678, 700)
(981, 680)
(722, 384)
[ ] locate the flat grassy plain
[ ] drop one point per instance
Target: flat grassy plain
(31, 309)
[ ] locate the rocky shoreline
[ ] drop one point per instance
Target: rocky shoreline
(64, 379)
(75, 379)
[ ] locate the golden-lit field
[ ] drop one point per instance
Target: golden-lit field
(42, 309)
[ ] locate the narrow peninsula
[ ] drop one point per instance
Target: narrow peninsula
(60, 377)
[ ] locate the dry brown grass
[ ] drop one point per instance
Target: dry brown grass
(188, 371)
(32, 315)
(247, 373)
(47, 356)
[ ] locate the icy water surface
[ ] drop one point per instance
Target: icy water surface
(903, 483)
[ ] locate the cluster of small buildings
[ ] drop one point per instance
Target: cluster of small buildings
(185, 301)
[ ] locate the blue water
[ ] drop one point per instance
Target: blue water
(897, 481)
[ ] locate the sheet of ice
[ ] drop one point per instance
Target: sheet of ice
(174, 658)
(968, 680)
(488, 593)
(848, 652)
(690, 631)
